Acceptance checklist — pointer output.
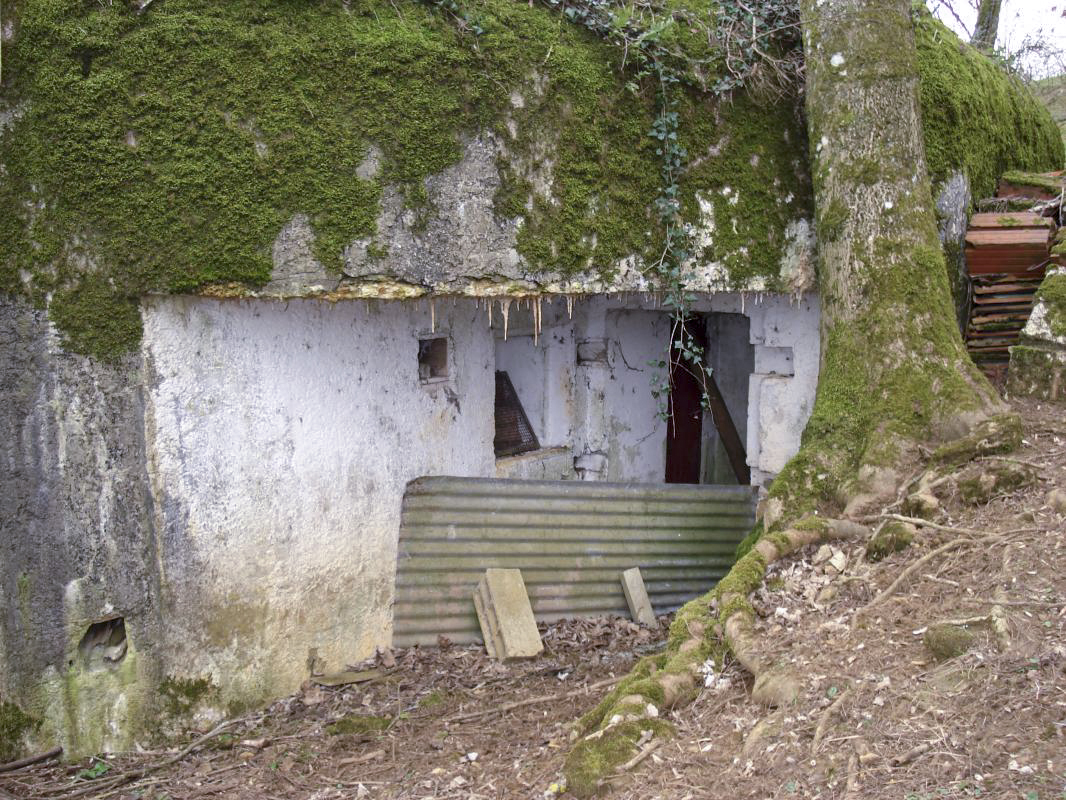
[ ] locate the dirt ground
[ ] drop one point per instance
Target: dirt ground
(880, 717)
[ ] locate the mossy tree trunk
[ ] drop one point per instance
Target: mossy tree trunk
(987, 28)
(895, 373)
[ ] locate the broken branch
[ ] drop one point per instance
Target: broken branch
(10, 766)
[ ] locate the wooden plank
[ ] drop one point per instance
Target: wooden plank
(1012, 220)
(1008, 237)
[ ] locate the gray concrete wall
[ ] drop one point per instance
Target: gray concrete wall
(281, 439)
(77, 542)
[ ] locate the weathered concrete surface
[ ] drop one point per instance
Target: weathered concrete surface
(637, 597)
(281, 437)
(465, 247)
(235, 492)
(77, 543)
(506, 616)
(1038, 363)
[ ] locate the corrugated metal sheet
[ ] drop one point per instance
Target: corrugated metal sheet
(571, 539)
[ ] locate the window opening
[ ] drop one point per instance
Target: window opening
(433, 359)
(104, 643)
(514, 434)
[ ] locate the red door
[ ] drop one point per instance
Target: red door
(684, 428)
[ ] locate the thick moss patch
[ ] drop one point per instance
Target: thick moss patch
(358, 724)
(14, 724)
(164, 151)
(892, 538)
(945, 642)
(1053, 292)
(976, 117)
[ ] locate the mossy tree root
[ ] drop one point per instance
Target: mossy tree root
(705, 628)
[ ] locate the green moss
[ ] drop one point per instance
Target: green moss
(1036, 372)
(832, 219)
(434, 699)
(592, 760)
(977, 119)
(163, 151)
(749, 541)
(892, 538)
(14, 724)
(640, 672)
(1053, 292)
(182, 695)
(918, 379)
(357, 724)
(1034, 179)
(947, 641)
(982, 483)
(995, 436)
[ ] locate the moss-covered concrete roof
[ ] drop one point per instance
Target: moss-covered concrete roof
(372, 148)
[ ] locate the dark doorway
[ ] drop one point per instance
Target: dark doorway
(684, 434)
(684, 428)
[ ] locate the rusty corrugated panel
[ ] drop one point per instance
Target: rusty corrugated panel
(571, 539)
(1006, 256)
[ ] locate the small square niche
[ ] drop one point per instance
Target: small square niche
(433, 359)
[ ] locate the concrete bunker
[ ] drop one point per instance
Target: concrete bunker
(263, 454)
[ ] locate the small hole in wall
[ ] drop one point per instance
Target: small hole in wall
(104, 643)
(433, 359)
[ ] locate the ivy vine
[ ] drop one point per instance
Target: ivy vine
(720, 48)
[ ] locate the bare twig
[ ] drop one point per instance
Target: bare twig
(1010, 460)
(650, 748)
(852, 786)
(917, 565)
(95, 788)
(910, 755)
(924, 523)
(1022, 603)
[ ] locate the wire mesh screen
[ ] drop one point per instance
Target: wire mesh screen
(514, 434)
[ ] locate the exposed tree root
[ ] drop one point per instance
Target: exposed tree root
(823, 721)
(666, 680)
(11, 766)
(722, 621)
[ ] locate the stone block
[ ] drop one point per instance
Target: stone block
(506, 616)
(637, 598)
(1037, 372)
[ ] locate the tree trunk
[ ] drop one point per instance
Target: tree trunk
(987, 27)
(895, 371)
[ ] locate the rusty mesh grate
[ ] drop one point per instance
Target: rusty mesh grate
(514, 434)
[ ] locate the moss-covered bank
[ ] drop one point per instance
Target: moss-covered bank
(164, 151)
(976, 117)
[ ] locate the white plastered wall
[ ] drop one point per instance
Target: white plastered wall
(281, 437)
